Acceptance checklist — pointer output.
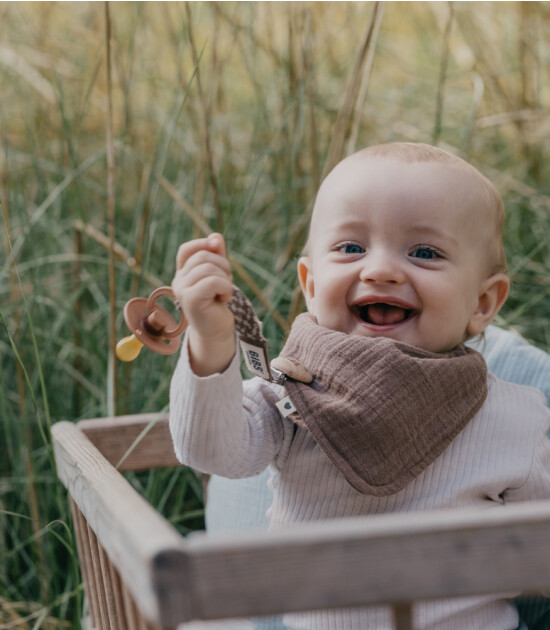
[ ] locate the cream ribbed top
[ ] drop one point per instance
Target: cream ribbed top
(223, 426)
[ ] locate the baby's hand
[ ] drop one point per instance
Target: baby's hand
(202, 285)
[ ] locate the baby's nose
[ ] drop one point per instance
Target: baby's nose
(382, 268)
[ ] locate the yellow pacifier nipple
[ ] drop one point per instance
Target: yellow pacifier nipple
(128, 348)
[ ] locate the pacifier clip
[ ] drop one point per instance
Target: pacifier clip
(154, 327)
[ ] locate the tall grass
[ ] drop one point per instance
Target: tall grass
(224, 115)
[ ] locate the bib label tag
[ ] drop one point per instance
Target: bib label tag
(285, 406)
(256, 359)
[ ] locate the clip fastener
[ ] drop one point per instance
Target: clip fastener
(278, 376)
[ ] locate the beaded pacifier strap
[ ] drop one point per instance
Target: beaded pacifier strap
(252, 341)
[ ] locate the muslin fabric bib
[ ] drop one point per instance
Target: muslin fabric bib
(381, 410)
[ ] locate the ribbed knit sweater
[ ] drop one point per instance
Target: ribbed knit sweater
(222, 425)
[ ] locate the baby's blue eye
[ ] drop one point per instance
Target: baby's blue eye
(351, 248)
(426, 253)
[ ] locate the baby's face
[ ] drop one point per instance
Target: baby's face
(399, 250)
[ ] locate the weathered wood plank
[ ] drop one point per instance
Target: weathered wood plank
(137, 442)
(130, 611)
(116, 583)
(128, 527)
(389, 559)
(103, 618)
(83, 547)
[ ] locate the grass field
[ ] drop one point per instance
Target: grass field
(214, 116)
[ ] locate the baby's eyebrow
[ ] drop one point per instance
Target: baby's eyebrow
(349, 224)
(431, 231)
(421, 229)
(345, 229)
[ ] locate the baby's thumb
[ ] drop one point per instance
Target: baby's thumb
(216, 243)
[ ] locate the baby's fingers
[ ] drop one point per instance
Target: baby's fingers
(203, 264)
(209, 272)
(200, 295)
(208, 290)
(214, 243)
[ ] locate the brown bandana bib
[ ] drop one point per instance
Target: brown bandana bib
(381, 410)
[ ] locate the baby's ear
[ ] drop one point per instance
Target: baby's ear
(305, 275)
(494, 292)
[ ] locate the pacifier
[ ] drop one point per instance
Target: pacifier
(151, 325)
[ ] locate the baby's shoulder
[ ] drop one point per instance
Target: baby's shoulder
(509, 402)
(513, 391)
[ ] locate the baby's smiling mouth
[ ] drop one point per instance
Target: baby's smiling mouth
(383, 314)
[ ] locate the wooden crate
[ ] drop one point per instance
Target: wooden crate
(139, 573)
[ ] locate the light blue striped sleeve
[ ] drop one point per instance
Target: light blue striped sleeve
(513, 359)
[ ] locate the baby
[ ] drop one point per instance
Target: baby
(389, 411)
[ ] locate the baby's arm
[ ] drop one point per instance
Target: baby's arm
(202, 285)
(215, 427)
(223, 426)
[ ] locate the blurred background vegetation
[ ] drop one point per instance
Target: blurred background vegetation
(214, 116)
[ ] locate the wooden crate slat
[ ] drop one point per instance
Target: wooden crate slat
(137, 442)
(386, 559)
(86, 566)
(126, 525)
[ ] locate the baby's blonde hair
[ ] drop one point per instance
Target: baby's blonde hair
(419, 152)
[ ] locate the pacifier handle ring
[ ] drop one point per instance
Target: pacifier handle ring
(151, 306)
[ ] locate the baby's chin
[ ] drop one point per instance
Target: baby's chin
(404, 332)
(430, 345)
